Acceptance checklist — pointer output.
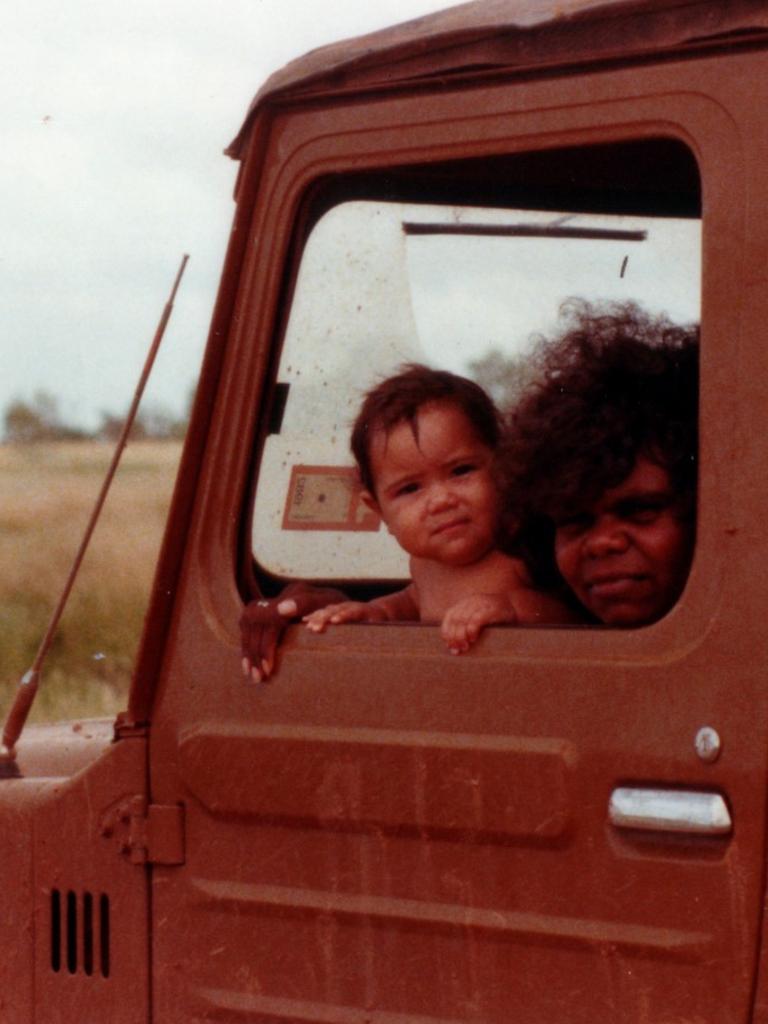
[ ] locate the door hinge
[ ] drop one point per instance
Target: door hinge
(146, 833)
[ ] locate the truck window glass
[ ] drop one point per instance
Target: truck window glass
(457, 287)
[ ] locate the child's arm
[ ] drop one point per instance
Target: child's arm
(399, 607)
(464, 621)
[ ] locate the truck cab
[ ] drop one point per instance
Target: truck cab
(383, 833)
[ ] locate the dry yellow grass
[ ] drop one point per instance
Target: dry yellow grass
(47, 492)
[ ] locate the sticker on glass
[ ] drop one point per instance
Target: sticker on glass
(326, 498)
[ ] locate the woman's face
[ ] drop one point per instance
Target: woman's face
(627, 557)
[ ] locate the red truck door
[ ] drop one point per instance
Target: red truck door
(566, 824)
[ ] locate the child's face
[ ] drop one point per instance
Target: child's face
(626, 558)
(435, 493)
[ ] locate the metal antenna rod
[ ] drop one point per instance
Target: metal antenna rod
(28, 684)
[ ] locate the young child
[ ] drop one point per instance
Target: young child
(424, 442)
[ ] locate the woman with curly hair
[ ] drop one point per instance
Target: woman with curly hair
(599, 463)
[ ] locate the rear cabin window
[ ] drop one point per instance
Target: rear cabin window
(463, 286)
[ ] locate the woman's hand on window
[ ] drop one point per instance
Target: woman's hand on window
(264, 621)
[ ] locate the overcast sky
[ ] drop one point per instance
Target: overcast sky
(114, 119)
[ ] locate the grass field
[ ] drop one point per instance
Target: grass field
(47, 492)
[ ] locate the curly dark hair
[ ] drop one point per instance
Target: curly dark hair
(399, 398)
(616, 384)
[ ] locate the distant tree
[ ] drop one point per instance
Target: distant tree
(37, 420)
(110, 426)
(183, 423)
(21, 422)
(504, 377)
(153, 423)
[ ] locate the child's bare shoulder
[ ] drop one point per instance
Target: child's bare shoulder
(437, 586)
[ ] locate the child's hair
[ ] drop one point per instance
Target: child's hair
(399, 398)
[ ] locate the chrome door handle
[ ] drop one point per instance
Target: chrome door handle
(669, 810)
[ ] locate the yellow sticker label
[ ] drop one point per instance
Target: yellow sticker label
(326, 498)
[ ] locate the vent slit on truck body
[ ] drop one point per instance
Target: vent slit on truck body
(104, 934)
(88, 933)
(71, 932)
(80, 933)
(56, 930)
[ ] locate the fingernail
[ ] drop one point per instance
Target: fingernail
(245, 666)
(255, 675)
